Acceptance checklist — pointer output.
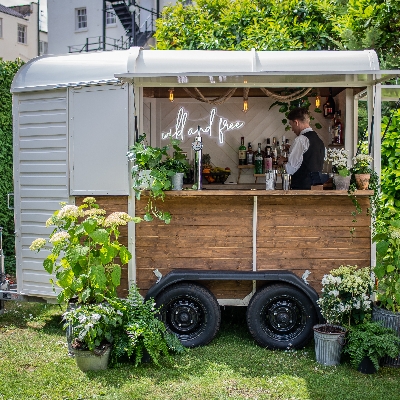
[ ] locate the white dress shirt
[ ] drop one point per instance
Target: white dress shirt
(299, 147)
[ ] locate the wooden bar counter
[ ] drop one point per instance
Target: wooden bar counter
(253, 230)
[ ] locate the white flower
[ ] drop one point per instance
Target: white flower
(37, 244)
(59, 237)
(117, 218)
(82, 319)
(70, 210)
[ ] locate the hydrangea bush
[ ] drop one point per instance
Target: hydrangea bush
(338, 158)
(345, 298)
(83, 249)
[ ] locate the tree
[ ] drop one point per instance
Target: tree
(246, 24)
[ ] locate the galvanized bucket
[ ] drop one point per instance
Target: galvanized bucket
(328, 346)
(391, 320)
(177, 181)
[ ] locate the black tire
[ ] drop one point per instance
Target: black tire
(281, 317)
(191, 312)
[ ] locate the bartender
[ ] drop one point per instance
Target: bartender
(307, 152)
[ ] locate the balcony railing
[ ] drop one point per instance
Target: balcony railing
(95, 43)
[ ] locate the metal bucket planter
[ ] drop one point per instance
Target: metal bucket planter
(388, 319)
(92, 361)
(177, 181)
(329, 341)
(341, 182)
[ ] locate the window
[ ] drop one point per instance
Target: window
(81, 19)
(110, 15)
(22, 34)
(1, 27)
(42, 47)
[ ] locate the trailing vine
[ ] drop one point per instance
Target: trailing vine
(7, 71)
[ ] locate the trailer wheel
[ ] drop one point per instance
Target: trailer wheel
(281, 317)
(191, 312)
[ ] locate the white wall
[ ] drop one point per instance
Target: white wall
(10, 49)
(61, 25)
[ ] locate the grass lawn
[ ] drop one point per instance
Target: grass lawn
(34, 365)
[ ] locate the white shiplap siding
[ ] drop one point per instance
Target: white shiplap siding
(41, 179)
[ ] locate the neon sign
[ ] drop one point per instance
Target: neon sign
(224, 126)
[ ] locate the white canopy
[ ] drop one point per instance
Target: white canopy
(203, 68)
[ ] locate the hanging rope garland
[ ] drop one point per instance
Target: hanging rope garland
(215, 101)
(230, 92)
(290, 97)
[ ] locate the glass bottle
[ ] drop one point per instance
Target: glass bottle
(268, 160)
(338, 130)
(249, 155)
(329, 106)
(268, 146)
(258, 161)
(242, 152)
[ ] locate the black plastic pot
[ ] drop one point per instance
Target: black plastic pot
(366, 366)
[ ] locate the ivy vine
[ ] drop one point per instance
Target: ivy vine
(7, 71)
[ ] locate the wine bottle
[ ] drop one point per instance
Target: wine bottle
(338, 130)
(258, 161)
(242, 152)
(249, 155)
(268, 160)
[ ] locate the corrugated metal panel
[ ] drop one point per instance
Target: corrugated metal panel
(40, 179)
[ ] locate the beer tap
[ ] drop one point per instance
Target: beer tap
(197, 146)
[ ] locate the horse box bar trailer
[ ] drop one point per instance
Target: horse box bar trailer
(75, 117)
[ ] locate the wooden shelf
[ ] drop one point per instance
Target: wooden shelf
(240, 167)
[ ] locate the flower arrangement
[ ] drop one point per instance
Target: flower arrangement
(92, 326)
(338, 158)
(345, 295)
(361, 164)
(83, 251)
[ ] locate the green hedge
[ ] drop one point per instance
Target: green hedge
(7, 72)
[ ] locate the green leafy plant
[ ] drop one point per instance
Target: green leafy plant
(345, 296)
(141, 331)
(162, 167)
(387, 268)
(372, 340)
(8, 69)
(92, 326)
(84, 248)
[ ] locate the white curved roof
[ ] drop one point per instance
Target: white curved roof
(198, 67)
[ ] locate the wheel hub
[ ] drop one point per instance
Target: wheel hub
(184, 315)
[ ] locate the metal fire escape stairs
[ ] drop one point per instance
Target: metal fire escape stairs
(128, 13)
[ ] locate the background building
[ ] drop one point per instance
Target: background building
(82, 25)
(20, 34)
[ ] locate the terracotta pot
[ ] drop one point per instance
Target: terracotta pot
(362, 181)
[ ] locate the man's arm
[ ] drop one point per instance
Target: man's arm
(300, 146)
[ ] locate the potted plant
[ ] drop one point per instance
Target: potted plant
(160, 168)
(362, 170)
(387, 271)
(141, 332)
(92, 328)
(176, 166)
(367, 343)
(84, 249)
(338, 159)
(344, 301)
